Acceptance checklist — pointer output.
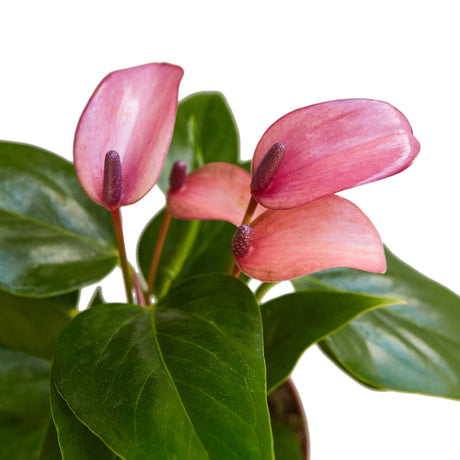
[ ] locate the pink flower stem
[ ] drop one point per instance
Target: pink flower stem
(235, 271)
(158, 250)
(125, 268)
(252, 205)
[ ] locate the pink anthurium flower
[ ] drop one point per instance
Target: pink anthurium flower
(307, 154)
(216, 191)
(328, 232)
(124, 133)
(325, 148)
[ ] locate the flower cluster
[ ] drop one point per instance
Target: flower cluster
(300, 162)
(289, 221)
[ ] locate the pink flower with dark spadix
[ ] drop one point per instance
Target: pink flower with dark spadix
(325, 148)
(216, 191)
(305, 155)
(124, 133)
(326, 233)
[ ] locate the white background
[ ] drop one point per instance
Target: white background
(269, 58)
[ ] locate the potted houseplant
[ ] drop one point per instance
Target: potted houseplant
(194, 363)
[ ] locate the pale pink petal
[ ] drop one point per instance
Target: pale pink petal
(132, 112)
(216, 191)
(334, 146)
(326, 233)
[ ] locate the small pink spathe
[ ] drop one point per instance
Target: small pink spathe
(132, 112)
(326, 233)
(334, 146)
(216, 191)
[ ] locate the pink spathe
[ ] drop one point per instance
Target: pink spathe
(216, 191)
(334, 146)
(132, 112)
(328, 232)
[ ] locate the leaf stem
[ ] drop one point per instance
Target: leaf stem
(158, 250)
(125, 267)
(262, 289)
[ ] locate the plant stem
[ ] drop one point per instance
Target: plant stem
(250, 210)
(263, 289)
(125, 268)
(235, 271)
(158, 249)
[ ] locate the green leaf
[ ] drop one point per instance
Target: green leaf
(23, 384)
(185, 379)
(33, 325)
(205, 131)
(296, 321)
(97, 298)
(191, 248)
(29, 331)
(413, 347)
(50, 448)
(21, 439)
(76, 440)
(53, 238)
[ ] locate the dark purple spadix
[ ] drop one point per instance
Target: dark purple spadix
(177, 176)
(241, 240)
(267, 168)
(112, 186)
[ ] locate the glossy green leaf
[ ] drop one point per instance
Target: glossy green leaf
(29, 330)
(205, 131)
(296, 321)
(185, 379)
(21, 438)
(191, 248)
(97, 298)
(33, 325)
(53, 238)
(50, 447)
(76, 440)
(413, 347)
(23, 384)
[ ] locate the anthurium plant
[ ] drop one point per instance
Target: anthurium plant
(193, 363)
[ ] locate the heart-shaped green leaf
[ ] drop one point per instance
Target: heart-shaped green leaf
(191, 248)
(296, 321)
(185, 379)
(205, 131)
(413, 347)
(53, 238)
